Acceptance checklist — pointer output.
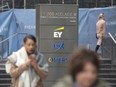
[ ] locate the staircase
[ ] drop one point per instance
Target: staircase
(5, 79)
(107, 73)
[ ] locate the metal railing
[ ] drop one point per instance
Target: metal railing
(4, 6)
(112, 37)
(6, 42)
(112, 51)
(25, 4)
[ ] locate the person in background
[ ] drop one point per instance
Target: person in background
(83, 71)
(100, 30)
(27, 66)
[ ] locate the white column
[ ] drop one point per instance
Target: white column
(50, 2)
(2, 5)
(96, 3)
(24, 4)
(112, 2)
(77, 2)
(13, 4)
(62, 1)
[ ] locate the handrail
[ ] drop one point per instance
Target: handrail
(11, 36)
(112, 37)
(1, 57)
(8, 38)
(114, 42)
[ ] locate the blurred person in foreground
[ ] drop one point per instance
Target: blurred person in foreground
(100, 30)
(27, 66)
(83, 71)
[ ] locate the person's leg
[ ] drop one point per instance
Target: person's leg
(97, 47)
(99, 42)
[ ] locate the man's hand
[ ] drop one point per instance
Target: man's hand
(34, 64)
(33, 60)
(37, 68)
(28, 62)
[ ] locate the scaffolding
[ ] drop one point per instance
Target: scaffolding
(4, 5)
(12, 4)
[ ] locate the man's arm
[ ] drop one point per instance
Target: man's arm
(16, 71)
(42, 73)
(13, 70)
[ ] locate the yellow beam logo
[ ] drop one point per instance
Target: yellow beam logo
(60, 29)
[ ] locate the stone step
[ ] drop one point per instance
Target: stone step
(4, 76)
(112, 84)
(2, 71)
(2, 65)
(110, 80)
(105, 65)
(5, 85)
(105, 70)
(5, 80)
(106, 61)
(107, 75)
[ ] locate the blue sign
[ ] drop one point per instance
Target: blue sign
(58, 46)
(57, 59)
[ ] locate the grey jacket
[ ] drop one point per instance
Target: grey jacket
(67, 82)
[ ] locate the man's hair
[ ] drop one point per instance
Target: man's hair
(78, 61)
(29, 37)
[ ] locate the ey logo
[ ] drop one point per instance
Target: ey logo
(58, 32)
